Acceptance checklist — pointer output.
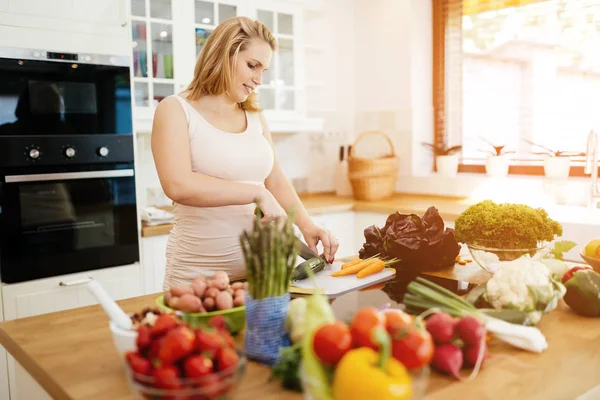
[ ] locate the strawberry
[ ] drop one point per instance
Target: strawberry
(166, 377)
(138, 363)
(163, 323)
(218, 321)
(208, 342)
(227, 359)
(197, 366)
(177, 344)
(144, 338)
(154, 349)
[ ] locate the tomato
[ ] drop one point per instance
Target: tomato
(415, 349)
(331, 342)
(397, 321)
(363, 324)
(569, 274)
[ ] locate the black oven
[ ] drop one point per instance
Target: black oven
(67, 176)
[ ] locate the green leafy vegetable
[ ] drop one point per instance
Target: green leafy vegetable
(505, 226)
(561, 247)
(287, 368)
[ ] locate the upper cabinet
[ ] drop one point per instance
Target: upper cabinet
(95, 26)
(168, 36)
(152, 52)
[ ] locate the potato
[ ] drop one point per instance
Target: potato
(199, 279)
(190, 303)
(220, 283)
(222, 276)
(211, 292)
(224, 301)
(239, 301)
(239, 293)
(168, 297)
(174, 302)
(209, 303)
(237, 285)
(181, 290)
(199, 288)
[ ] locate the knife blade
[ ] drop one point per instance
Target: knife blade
(306, 252)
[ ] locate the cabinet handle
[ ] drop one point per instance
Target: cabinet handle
(123, 12)
(76, 282)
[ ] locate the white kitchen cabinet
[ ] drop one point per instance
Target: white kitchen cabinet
(59, 293)
(154, 262)
(65, 25)
(179, 34)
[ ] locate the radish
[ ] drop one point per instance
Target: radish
(448, 358)
(471, 353)
(471, 330)
(441, 327)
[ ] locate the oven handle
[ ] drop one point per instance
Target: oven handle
(63, 176)
(76, 282)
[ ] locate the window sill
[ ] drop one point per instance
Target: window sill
(577, 171)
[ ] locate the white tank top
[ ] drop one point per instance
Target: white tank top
(206, 239)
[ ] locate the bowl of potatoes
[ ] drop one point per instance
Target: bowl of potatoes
(205, 298)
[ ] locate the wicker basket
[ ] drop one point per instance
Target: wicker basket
(373, 178)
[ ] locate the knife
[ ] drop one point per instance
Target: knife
(306, 252)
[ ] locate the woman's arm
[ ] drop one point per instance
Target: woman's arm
(278, 184)
(171, 152)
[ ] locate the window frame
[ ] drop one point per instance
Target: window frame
(443, 12)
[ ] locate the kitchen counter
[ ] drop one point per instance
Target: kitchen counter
(71, 354)
(325, 203)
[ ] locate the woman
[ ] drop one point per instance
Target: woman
(214, 156)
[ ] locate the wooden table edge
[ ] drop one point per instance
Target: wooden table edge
(32, 368)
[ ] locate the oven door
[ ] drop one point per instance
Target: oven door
(66, 221)
(42, 97)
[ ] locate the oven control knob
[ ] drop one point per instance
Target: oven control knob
(103, 151)
(34, 154)
(70, 152)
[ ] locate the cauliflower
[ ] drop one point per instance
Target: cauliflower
(521, 284)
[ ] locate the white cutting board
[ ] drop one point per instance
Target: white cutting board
(335, 286)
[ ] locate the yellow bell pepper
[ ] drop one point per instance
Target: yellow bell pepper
(364, 374)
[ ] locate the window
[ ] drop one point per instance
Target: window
(518, 73)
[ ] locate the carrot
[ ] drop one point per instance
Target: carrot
(353, 269)
(355, 262)
(374, 266)
(351, 263)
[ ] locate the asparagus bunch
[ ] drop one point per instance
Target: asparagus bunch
(270, 253)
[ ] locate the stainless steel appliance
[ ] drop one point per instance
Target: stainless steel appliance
(67, 178)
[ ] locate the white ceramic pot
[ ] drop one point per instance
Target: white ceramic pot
(447, 165)
(124, 339)
(497, 166)
(557, 167)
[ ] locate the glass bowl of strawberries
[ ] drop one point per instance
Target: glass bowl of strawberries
(175, 361)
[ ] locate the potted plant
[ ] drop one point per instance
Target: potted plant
(497, 163)
(446, 158)
(557, 163)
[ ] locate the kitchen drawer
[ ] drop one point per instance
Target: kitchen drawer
(64, 292)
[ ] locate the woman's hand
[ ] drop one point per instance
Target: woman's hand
(313, 234)
(270, 208)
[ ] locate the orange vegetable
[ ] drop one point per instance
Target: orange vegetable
(351, 263)
(353, 269)
(374, 266)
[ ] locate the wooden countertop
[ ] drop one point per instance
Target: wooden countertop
(71, 355)
(325, 203)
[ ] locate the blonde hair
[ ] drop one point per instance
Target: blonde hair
(213, 71)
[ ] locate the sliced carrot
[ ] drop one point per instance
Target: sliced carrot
(374, 266)
(353, 269)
